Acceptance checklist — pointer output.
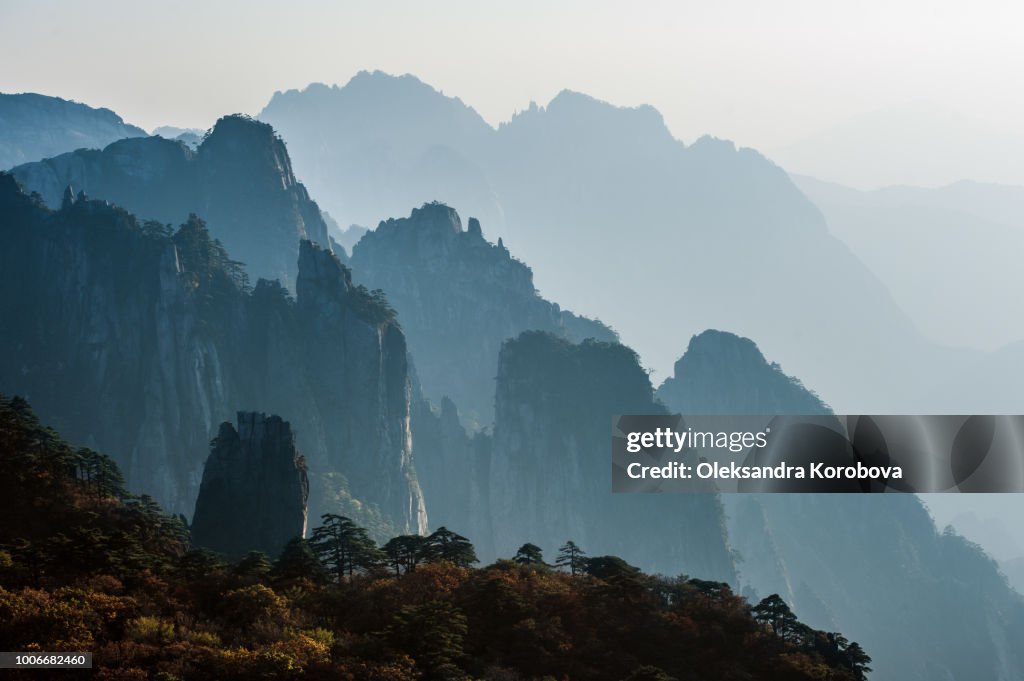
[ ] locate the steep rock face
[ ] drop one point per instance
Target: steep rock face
(549, 469)
(254, 490)
(451, 465)
(34, 127)
(459, 298)
(239, 180)
(140, 342)
(872, 566)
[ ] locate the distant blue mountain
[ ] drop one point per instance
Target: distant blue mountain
(34, 127)
(622, 222)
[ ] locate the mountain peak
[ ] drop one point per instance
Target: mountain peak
(377, 77)
(321, 275)
(577, 115)
(720, 344)
(374, 93)
(436, 215)
(240, 126)
(724, 373)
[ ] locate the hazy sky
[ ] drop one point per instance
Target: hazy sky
(761, 73)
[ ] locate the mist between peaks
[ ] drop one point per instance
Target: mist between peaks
(667, 438)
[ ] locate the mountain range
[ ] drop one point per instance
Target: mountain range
(139, 339)
(621, 222)
(239, 179)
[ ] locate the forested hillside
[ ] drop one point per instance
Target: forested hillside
(87, 566)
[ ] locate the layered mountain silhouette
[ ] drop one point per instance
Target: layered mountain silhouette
(620, 221)
(139, 339)
(459, 297)
(34, 127)
(547, 476)
(239, 180)
(872, 565)
(950, 255)
(379, 145)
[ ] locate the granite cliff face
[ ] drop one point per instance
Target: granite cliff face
(459, 297)
(34, 127)
(138, 341)
(871, 566)
(254, 490)
(239, 180)
(549, 473)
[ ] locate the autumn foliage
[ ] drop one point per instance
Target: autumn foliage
(85, 566)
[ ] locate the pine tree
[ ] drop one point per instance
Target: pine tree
(858, 661)
(255, 565)
(343, 547)
(405, 552)
(529, 554)
(774, 612)
(298, 562)
(571, 556)
(446, 545)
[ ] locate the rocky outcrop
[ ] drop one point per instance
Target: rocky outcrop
(549, 471)
(33, 127)
(459, 298)
(239, 180)
(254, 490)
(722, 373)
(140, 342)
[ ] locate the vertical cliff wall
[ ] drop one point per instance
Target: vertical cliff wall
(139, 342)
(549, 476)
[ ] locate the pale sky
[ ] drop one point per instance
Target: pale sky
(761, 73)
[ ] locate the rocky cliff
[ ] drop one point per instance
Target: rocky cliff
(549, 472)
(451, 465)
(459, 297)
(33, 127)
(239, 180)
(140, 341)
(254, 490)
(873, 566)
